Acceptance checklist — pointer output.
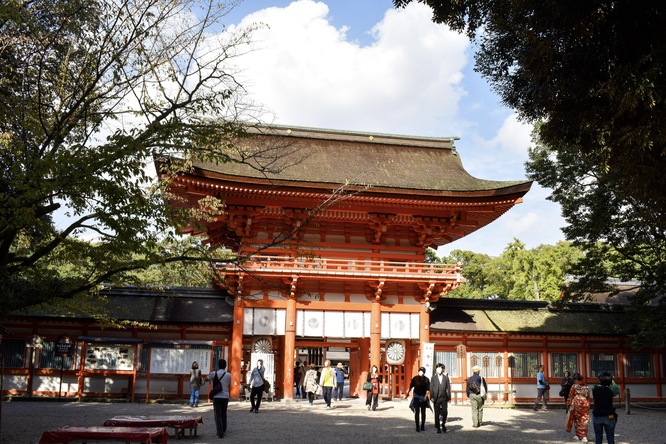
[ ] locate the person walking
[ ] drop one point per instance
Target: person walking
(328, 383)
(440, 394)
(195, 384)
(567, 382)
(420, 385)
(542, 390)
(340, 379)
(604, 417)
(257, 386)
(578, 406)
(375, 379)
(220, 379)
(476, 392)
(301, 381)
(311, 383)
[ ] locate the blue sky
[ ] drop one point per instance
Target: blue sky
(362, 65)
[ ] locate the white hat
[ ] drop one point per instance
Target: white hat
(476, 368)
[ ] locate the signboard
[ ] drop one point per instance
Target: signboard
(428, 357)
(63, 346)
(179, 360)
(109, 357)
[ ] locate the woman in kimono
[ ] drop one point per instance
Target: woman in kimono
(372, 397)
(578, 405)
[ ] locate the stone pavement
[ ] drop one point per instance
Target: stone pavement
(348, 421)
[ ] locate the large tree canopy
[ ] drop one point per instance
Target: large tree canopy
(91, 91)
(517, 274)
(592, 75)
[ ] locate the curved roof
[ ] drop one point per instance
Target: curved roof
(386, 163)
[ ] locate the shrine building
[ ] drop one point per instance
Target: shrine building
(332, 245)
(330, 230)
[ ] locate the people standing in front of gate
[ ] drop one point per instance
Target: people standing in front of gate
(475, 385)
(578, 406)
(257, 386)
(340, 379)
(542, 390)
(603, 413)
(420, 388)
(440, 393)
(195, 384)
(311, 383)
(298, 374)
(301, 381)
(372, 398)
(567, 382)
(221, 399)
(328, 383)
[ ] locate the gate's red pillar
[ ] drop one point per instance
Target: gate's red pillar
(424, 332)
(234, 365)
(375, 333)
(289, 348)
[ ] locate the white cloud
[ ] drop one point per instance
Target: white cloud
(411, 77)
(408, 80)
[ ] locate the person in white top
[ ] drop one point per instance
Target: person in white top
(221, 398)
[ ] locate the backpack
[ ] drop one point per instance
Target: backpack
(474, 388)
(217, 386)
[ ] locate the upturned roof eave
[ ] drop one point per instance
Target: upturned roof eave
(482, 189)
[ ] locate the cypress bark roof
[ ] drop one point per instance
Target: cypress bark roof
(321, 158)
(178, 305)
(529, 317)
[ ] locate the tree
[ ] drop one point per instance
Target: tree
(591, 75)
(91, 91)
(518, 273)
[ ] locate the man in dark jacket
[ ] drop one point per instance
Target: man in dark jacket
(440, 393)
(477, 399)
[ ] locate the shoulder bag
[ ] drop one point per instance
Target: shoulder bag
(367, 386)
(216, 387)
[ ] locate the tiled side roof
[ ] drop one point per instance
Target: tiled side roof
(528, 318)
(173, 305)
(378, 160)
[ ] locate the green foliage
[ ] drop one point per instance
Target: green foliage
(591, 76)
(91, 92)
(518, 274)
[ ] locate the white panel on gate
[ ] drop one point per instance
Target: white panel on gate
(399, 327)
(280, 320)
(313, 324)
(414, 325)
(386, 323)
(264, 321)
(300, 314)
(334, 324)
(353, 324)
(366, 325)
(248, 319)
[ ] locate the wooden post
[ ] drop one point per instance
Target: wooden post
(234, 365)
(289, 348)
(375, 334)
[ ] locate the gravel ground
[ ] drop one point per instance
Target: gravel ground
(348, 421)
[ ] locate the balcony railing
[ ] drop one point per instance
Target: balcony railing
(365, 268)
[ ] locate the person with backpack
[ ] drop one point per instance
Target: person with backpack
(220, 380)
(476, 392)
(440, 393)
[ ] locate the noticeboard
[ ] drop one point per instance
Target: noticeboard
(63, 346)
(179, 360)
(109, 357)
